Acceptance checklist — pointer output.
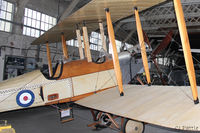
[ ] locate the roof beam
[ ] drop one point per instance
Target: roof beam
(129, 35)
(117, 27)
(69, 10)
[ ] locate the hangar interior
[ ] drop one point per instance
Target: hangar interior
(18, 30)
(22, 21)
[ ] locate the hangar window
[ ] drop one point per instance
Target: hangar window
(72, 42)
(95, 41)
(36, 23)
(118, 45)
(6, 15)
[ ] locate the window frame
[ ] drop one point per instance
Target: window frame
(5, 20)
(33, 16)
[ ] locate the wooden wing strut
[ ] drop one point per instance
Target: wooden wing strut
(102, 36)
(186, 48)
(64, 46)
(49, 60)
(115, 54)
(78, 34)
(86, 44)
(142, 45)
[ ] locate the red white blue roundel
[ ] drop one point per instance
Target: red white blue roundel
(25, 98)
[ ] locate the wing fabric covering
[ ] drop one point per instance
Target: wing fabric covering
(91, 14)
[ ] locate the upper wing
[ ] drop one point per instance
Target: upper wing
(92, 13)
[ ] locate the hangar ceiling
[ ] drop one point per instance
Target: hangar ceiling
(158, 21)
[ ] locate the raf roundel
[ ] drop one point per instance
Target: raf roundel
(25, 98)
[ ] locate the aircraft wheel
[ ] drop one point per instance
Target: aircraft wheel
(131, 126)
(105, 121)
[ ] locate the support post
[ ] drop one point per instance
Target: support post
(86, 44)
(64, 46)
(186, 49)
(115, 54)
(49, 60)
(78, 34)
(142, 45)
(102, 36)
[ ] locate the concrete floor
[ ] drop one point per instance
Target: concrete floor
(46, 120)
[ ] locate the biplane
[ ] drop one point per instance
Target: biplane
(166, 106)
(171, 107)
(71, 80)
